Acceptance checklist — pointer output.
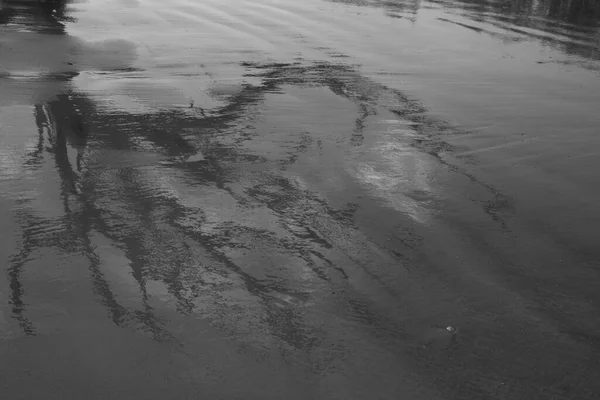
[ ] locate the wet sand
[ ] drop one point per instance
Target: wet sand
(305, 200)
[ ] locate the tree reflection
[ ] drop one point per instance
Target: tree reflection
(62, 123)
(573, 25)
(123, 204)
(43, 16)
(67, 120)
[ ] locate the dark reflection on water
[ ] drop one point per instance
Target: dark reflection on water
(394, 9)
(124, 206)
(43, 16)
(572, 26)
(579, 14)
(72, 121)
(64, 123)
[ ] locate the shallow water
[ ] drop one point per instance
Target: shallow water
(321, 199)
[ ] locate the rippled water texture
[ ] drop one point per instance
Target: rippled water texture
(278, 199)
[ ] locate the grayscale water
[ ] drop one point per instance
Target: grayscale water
(279, 199)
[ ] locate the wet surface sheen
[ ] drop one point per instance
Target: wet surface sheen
(269, 199)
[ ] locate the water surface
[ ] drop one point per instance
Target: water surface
(316, 200)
